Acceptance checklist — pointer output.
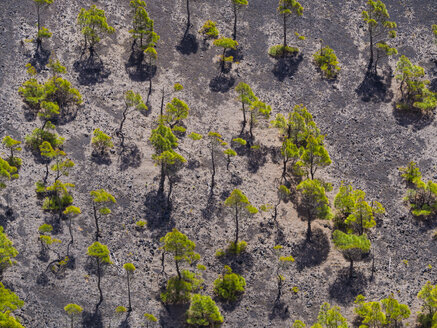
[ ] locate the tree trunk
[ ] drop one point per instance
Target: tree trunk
(72, 322)
(236, 227)
(96, 219)
(128, 292)
(284, 168)
(120, 129)
(351, 269)
(285, 31)
(98, 283)
(213, 169)
(162, 180)
(251, 126)
(71, 237)
(178, 271)
(234, 36)
(309, 227)
(47, 173)
(244, 116)
(371, 48)
(188, 14)
(162, 102)
(223, 60)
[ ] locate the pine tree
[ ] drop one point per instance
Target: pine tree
(101, 142)
(314, 156)
(314, 201)
(203, 312)
(59, 197)
(411, 173)
(352, 247)
(380, 29)
(226, 44)
(7, 172)
(164, 142)
(101, 200)
(239, 202)
(7, 253)
(131, 100)
(413, 87)
(13, 146)
(282, 263)
(428, 314)
(71, 212)
(9, 302)
(143, 26)
(247, 97)
(386, 313)
(61, 166)
(42, 31)
(73, 310)
(94, 26)
(175, 112)
(130, 269)
(330, 317)
(354, 213)
(100, 253)
(179, 288)
(257, 110)
(290, 154)
(237, 6)
(286, 8)
(182, 248)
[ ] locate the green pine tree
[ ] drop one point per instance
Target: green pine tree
(7, 252)
(101, 200)
(203, 312)
(100, 253)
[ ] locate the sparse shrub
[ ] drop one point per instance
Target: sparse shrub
(229, 286)
(7, 172)
(179, 290)
(101, 142)
(39, 135)
(209, 30)
(7, 252)
(150, 318)
(280, 50)
(428, 296)
(413, 87)
(327, 61)
(203, 312)
(411, 173)
(13, 146)
(141, 224)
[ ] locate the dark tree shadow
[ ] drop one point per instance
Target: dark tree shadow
(158, 212)
(42, 279)
(221, 83)
(125, 322)
(412, 117)
(92, 319)
(344, 290)
(7, 215)
(433, 85)
(286, 66)
(30, 114)
(130, 156)
(188, 44)
(228, 306)
(236, 180)
(211, 209)
(279, 310)
(137, 69)
(312, 253)
(101, 159)
(172, 315)
(40, 58)
(193, 164)
(376, 88)
(91, 70)
(239, 263)
(237, 54)
(257, 158)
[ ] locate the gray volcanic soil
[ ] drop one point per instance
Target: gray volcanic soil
(367, 140)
